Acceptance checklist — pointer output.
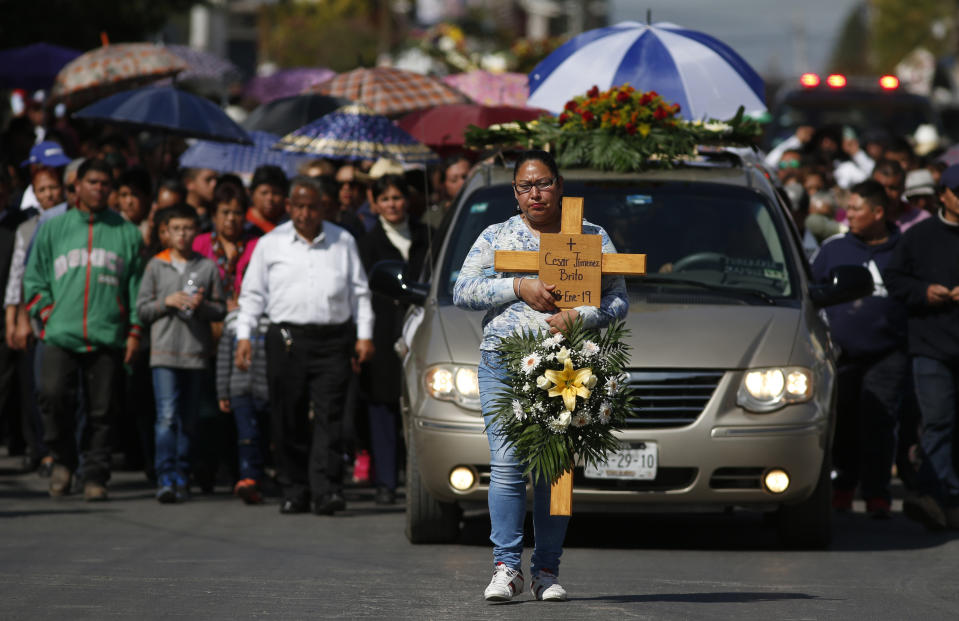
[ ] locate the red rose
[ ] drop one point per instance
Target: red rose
(660, 113)
(675, 108)
(588, 116)
(593, 92)
(570, 105)
(645, 99)
(653, 94)
(622, 96)
(563, 118)
(630, 129)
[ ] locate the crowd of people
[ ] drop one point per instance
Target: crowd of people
(877, 203)
(219, 328)
(207, 327)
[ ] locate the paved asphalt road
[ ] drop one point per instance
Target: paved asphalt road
(214, 558)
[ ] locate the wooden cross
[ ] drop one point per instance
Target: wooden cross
(575, 263)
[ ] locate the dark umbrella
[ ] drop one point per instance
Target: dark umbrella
(34, 66)
(443, 126)
(282, 116)
(168, 110)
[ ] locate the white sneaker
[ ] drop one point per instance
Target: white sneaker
(506, 583)
(545, 587)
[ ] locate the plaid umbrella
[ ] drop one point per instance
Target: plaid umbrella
(390, 91)
(355, 132)
(443, 126)
(492, 89)
(113, 68)
(286, 83)
(234, 158)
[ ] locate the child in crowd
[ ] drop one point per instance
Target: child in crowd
(247, 394)
(180, 295)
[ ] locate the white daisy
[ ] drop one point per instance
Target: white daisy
(530, 363)
(580, 419)
(561, 422)
(605, 412)
(589, 349)
(612, 386)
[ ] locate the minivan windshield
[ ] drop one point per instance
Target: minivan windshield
(719, 240)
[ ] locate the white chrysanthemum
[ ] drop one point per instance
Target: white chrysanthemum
(612, 385)
(591, 382)
(562, 354)
(589, 349)
(561, 422)
(557, 338)
(539, 407)
(605, 412)
(518, 410)
(543, 382)
(580, 419)
(530, 363)
(551, 357)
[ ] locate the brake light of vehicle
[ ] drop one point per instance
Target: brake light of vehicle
(889, 82)
(836, 80)
(809, 80)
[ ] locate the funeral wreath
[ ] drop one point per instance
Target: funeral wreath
(565, 395)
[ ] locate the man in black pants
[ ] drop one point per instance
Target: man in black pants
(307, 277)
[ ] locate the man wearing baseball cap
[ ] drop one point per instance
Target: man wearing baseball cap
(924, 274)
(921, 190)
(46, 153)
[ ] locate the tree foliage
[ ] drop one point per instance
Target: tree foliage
(339, 34)
(78, 23)
(900, 26)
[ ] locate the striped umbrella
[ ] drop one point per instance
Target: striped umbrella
(707, 78)
(355, 132)
(235, 158)
(112, 68)
(492, 89)
(390, 91)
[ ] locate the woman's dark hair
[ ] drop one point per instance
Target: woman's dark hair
(92, 163)
(381, 184)
(138, 179)
(536, 155)
(450, 162)
(46, 170)
(270, 175)
(228, 190)
(328, 187)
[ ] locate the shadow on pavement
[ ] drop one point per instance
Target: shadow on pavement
(697, 598)
(41, 512)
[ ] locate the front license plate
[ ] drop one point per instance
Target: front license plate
(637, 462)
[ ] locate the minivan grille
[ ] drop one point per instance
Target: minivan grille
(670, 397)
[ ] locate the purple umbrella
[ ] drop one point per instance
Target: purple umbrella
(34, 66)
(286, 82)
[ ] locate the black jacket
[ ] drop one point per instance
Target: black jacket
(928, 254)
(380, 378)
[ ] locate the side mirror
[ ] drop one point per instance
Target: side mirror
(386, 278)
(846, 283)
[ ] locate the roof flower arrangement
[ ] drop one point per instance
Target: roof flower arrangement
(621, 129)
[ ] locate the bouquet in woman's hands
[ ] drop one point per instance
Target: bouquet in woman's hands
(565, 395)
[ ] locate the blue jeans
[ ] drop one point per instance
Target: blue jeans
(178, 393)
(937, 389)
(507, 491)
(247, 413)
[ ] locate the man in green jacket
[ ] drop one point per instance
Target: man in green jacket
(81, 282)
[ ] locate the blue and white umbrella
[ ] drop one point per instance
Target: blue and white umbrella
(239, 159)
(700, 73)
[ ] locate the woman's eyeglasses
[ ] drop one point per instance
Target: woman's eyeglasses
(540, 184)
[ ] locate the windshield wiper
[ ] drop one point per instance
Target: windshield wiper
(660, 280)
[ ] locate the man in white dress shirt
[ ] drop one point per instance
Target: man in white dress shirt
(307, 277)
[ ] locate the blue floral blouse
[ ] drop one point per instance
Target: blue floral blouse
(480, 287)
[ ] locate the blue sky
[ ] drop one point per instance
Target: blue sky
(764, 32)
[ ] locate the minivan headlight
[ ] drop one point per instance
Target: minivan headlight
(456, 383)
(766, 390)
